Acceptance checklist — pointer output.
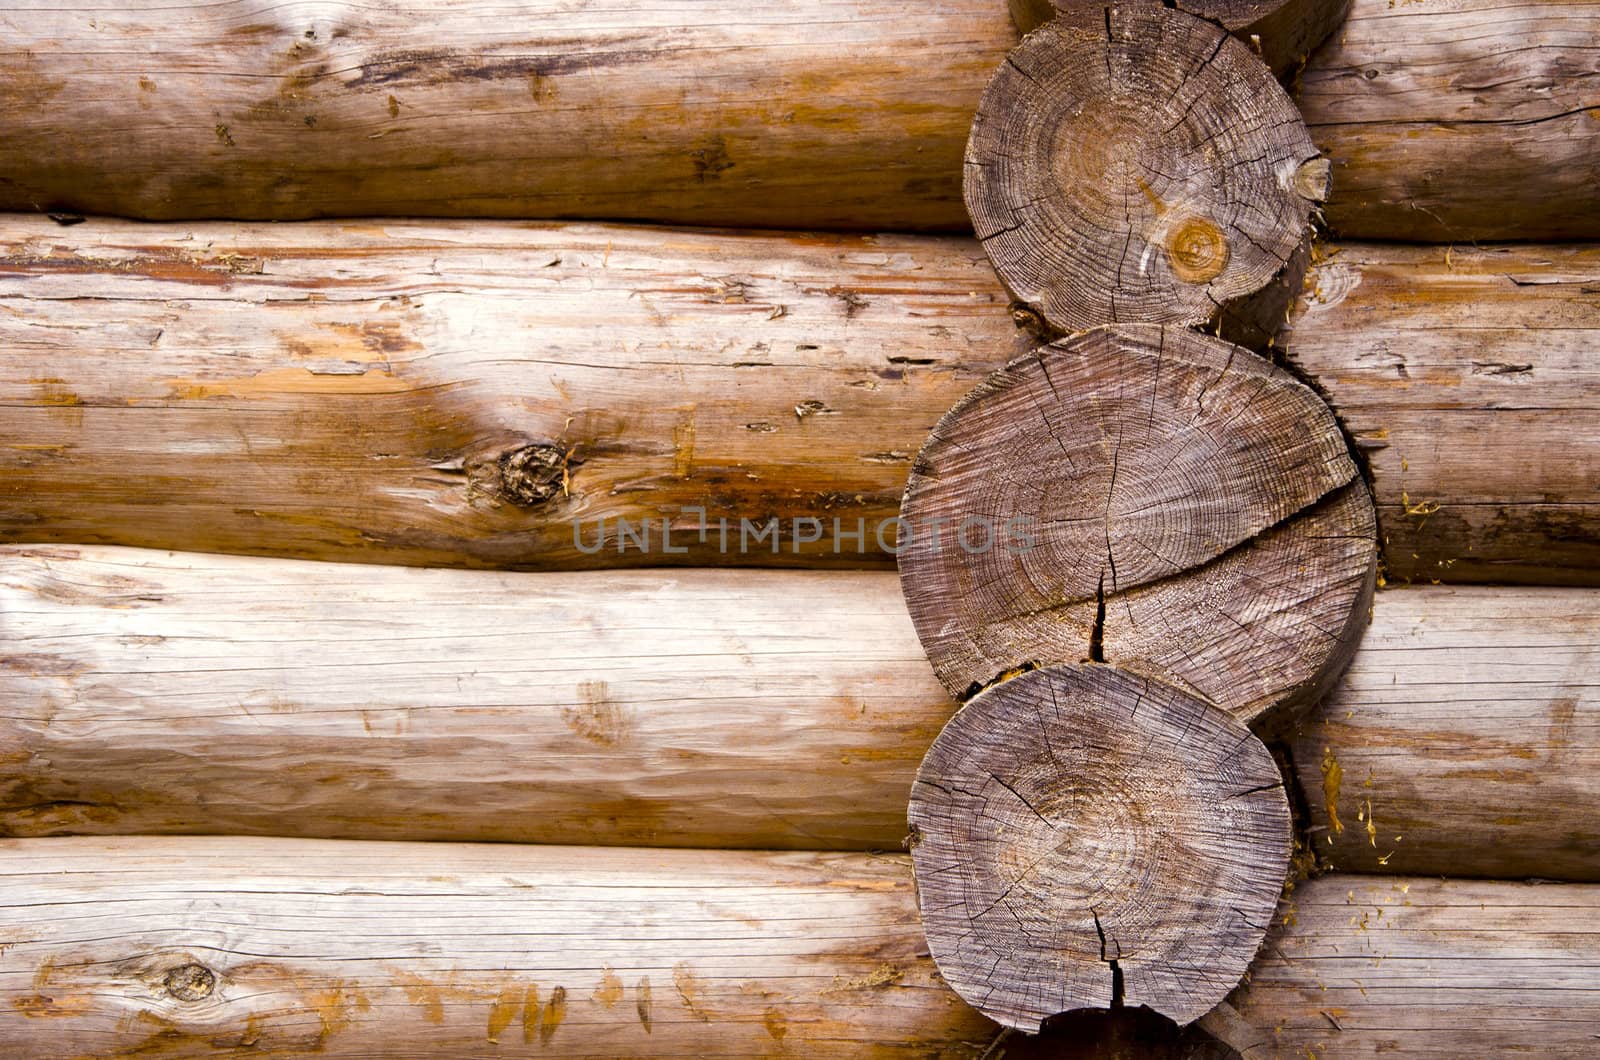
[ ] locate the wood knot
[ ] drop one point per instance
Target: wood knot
(1028, 319)
(1197, 250)
(1312, 179)
(533, 474)
(191, 982)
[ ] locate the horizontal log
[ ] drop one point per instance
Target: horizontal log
(1429, 968)
(1442, 125)
(287, 947)
(441, 394)
(142, 693)
(1473, 120)
(282, 948)
(794, 113)
(1465, 738)
(1468, 378)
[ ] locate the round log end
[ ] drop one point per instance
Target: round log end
(1086, 838)
(1144, 496)
(1137, 164)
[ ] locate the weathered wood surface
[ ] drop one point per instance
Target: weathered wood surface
(1460, 121)
(1283, 32)
(1183, 508)
(1135, 164)
(1430, 968)
(277, 948)
(1465, 738)
(795, 113)
(351, 391)
(1086, 838)
(1469, 379)
(146, 692)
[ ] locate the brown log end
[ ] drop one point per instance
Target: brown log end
(1137, 164)
(1087, 838)
(1149, 497)
(1282, 32)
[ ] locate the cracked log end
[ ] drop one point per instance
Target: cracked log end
(1283, 32)
(1089, 839)
(1179, 506)
(1137, 164)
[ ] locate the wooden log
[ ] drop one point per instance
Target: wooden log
(142, 692)
(1186, 510)
(1134, 164)
(1467, 377)
(1282, 32)
(1473, 120)
(281, 948)
(1465, 738)
(1085, 838)
(797, 113)
(1430, 968)
(358, 391)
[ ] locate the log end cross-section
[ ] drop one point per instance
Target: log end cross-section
(1162, 501)
(1138, 164)
(1085, 837)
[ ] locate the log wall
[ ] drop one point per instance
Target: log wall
(442, 394)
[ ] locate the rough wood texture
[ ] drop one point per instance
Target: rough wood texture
(1464, 739)
(1430, 968)
(354, 391)
(1471, 120)
(1468, 378)
(454, 394)
(793, 113)
(1282, 32)
(1088, 838)
(1136, 164)
(146, 692)
(279, 948)
(1183, 508)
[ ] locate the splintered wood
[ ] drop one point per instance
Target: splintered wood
(1136, 164)
(1189, 511)
(1088, 838)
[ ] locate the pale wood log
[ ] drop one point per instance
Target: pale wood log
(1282, 32)
(146, 692)
(794, 113)
(1086, 838)
(277, 948)
(1182, 508)
(1135, 164)
(1472, 120)
(353, 391)
(1430, 968)
(1468, 378)
(1464, 739)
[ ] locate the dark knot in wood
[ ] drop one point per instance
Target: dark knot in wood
(534, 474)
(191, 982)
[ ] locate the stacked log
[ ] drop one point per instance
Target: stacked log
(355, 392)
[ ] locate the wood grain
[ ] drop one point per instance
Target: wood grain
(1460, 121)
(1282, 32)
(354, 391)
(1467, 377)
(1430, 968)
(147, 692)
(279, 948)
(795, 113)
(1160, 500)
(1086, 838)
(1464, 739)
(1135, 164)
